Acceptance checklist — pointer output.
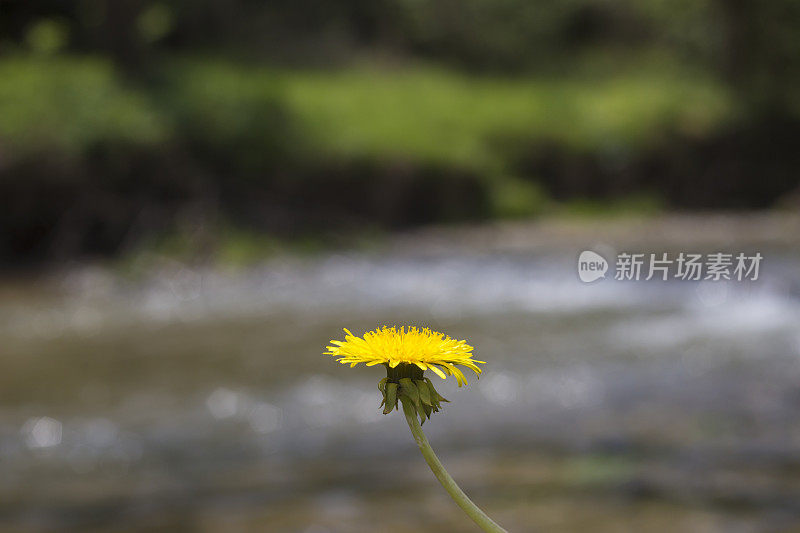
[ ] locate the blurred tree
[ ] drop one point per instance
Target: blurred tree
(762, 51)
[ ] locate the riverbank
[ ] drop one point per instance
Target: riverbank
(93, 165)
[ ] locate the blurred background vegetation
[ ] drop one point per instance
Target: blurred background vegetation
(129, 122)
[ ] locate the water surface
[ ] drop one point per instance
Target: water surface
(198, 399)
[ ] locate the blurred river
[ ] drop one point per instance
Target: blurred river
(199, 400)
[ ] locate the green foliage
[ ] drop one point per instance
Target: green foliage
(68, 105)
(232, 113)
(221, 100)
(246, 121)
(625, 206)
(517, 198)
(417, 114)
(47, 36)
(754, 45)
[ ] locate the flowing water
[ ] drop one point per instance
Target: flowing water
(194, 399)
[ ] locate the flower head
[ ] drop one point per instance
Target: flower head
(407, 354)
(393, 346)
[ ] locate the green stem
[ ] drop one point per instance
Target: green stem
(455, 492)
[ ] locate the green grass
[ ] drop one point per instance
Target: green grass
(443, 117)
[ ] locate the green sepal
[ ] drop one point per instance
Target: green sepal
(420, 413)
(434, 393)
(391, 398)
(408, 382)
(424, 392)
(409, 389)
(428, 409)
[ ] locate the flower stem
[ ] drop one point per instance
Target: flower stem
(455, 492)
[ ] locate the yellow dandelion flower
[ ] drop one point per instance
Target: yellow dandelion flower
(407, 354)
(395, 347)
